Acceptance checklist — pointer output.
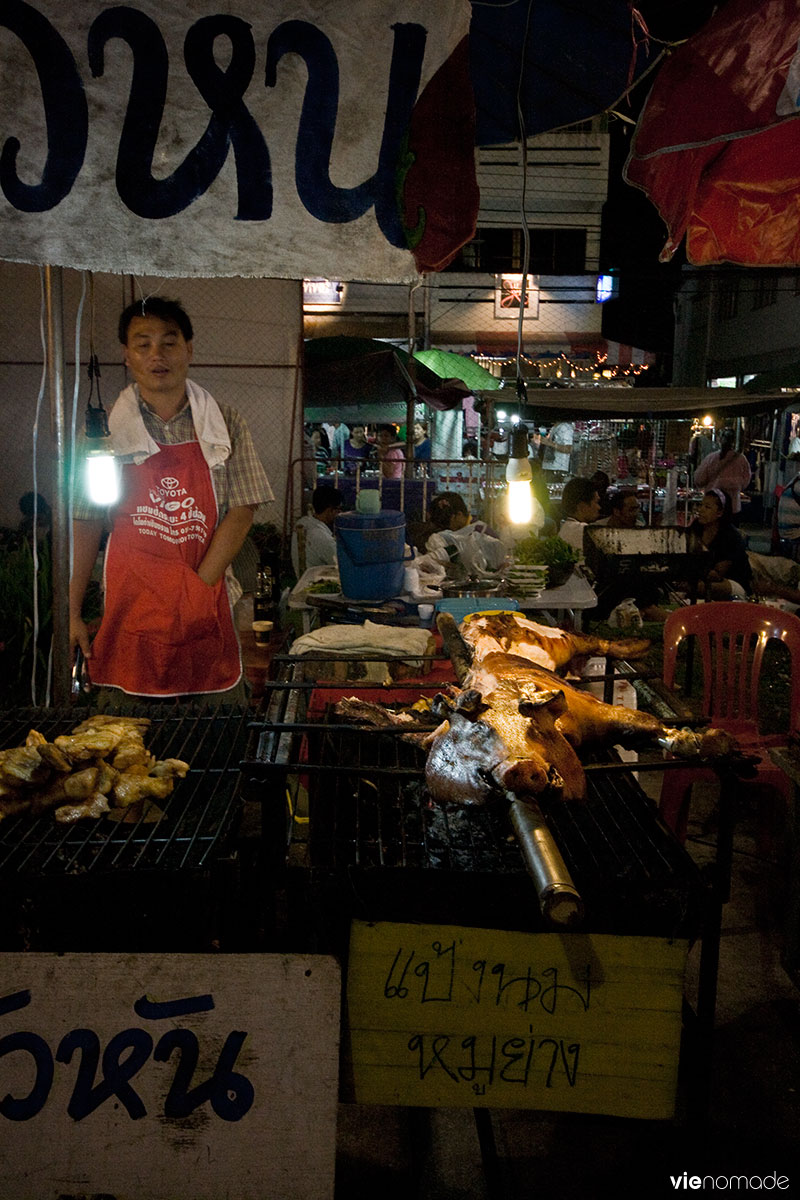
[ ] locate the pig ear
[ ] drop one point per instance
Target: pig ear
(534, 702)
(470, 702)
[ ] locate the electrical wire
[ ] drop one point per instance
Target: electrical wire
(526, 237)
(35, 481)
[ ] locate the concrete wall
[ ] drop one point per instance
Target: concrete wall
(246, 349)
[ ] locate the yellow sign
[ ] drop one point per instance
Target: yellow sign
(444, 1016)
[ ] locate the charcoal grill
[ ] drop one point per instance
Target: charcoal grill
(376, 847)
(100, 884)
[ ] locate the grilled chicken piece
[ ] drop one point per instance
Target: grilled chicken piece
(169, 768)
(95, 805)
(511, 633)
(517, 727)
(100, 719)
(131, 752)
(23, 765)
(103, 739)
(132, 787)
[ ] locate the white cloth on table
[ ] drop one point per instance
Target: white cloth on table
(370, 638)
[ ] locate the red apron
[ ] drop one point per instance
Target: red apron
(165, 632)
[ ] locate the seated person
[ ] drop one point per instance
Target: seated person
(624, 510)
(455, 530)
(315, 531)
(646, 594)
(391, 454)
(320, 447)
(580, 505)
(726, 572)
(602, 482)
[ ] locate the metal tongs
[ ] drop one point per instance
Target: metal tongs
(81, 683)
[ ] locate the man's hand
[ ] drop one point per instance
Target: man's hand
(226, 543)
(79, 636)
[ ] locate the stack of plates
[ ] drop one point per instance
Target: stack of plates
(527, 580)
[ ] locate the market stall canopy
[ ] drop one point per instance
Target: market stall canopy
(553, 404)
(449, 365)
(717, 145)
(350, 372)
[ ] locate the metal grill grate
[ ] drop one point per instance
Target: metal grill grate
(373, 827)
(197, 817)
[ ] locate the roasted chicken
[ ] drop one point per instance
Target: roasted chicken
(102, 767)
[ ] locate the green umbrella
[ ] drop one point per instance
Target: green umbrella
(449, 365)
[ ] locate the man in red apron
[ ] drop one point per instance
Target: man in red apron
(191, 482)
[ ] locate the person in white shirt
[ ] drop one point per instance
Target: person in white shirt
(580, 505)
(338, 433)
(315, 531)
(558, 447)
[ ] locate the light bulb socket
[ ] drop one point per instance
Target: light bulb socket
(519, 442)
(97, 423)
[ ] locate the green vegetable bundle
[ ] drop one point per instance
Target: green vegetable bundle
(554, 552)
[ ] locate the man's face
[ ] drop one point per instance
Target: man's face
(590, 509)
(157, 355)
(329, 515)
(627, 515)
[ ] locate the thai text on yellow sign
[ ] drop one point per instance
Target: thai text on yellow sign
(444, 1016)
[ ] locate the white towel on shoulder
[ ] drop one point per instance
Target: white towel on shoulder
(132, 442)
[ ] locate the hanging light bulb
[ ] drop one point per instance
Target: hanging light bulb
(518, 478)
(102, 469)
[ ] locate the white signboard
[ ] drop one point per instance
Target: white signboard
(194, 138)
(168, 1077)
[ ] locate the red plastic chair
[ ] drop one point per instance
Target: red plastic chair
(730, 638)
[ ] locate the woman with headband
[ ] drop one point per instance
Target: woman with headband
(727, 470)
(726, 573)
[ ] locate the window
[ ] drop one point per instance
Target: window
(500, 251)
(558, 251)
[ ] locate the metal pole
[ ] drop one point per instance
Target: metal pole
(53, 286)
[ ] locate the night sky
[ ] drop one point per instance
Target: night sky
(633, 233)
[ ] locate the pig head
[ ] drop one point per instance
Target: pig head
(502, 735)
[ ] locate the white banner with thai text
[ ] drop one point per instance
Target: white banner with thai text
(203, 138)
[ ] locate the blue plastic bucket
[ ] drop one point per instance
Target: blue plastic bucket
(370, 550)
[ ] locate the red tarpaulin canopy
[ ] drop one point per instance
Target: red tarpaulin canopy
(717, 146)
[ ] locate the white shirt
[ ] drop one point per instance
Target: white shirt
(563, 434)
(337, 436)
(320, 545)
(571, 532)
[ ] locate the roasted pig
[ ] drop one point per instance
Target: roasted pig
(516, 727)
(555, 649)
